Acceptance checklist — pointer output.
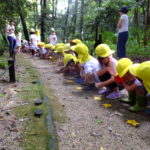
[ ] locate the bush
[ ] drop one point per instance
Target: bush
(3, 62)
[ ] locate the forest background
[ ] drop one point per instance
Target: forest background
(88, 20)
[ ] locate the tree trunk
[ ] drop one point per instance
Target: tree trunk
(81, 19)
(56, 2)
(53, 12)
(147, 25)
(43, 17)
(74, 18)
(24, 25)
(136, 22)
(65, 37)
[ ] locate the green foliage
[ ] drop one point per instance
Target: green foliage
(3, 62)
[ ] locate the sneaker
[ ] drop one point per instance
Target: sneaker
(114, 95)
(104, 91)
(79, 80)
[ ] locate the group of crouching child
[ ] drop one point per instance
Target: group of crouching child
(103, 72)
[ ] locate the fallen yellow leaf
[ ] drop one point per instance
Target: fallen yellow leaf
(101, 148)
(69, 81)
(79, 88)
(107, 105)
(97, 98)
(132, 122)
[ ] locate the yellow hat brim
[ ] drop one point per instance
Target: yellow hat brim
(133, 69)
(106, 54)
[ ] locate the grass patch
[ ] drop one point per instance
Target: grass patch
(35, 134)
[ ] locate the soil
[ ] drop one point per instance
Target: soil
(88, 124)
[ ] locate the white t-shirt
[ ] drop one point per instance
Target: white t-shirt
(18, 40)
(34, 39)
(53, 39)
(112, 63)
(42, 50)
(91, 65)
(125, 23)
(10, 30)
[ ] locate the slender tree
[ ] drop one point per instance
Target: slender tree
(43, 18)
(65, 37)
(81, 19)
(74, 18)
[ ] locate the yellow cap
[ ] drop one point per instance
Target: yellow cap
(40, 44)
(32, 30)
(53, 47)
(81, 49)
(103, 50)
(67, 47)
(133, 69)
(73, 48)
(77, 41)
(122, 66)
(48, 45)
(58, 44)
(60, 49)
(68, 57)
(83, 54)
(37, 32)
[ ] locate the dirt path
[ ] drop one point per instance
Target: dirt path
(82, 123)
(10, 124)
(90, 126)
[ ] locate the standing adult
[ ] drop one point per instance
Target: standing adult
(53, 37)
(10, 32)
(122, 28)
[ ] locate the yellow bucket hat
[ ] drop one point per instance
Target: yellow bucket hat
(58, 44)
(40, 44)
(133, 69)
(68, 57)
(37, 32)
(60, 49)
(103, 50)
(81, 49)
(77, 41)
(73, 48)
(83, 54)
(67, 47)
(32, 30)
(122, 66)
(48, 46)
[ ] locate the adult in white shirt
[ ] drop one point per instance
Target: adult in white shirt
(53, 38)
(122, 28)
(10, 32)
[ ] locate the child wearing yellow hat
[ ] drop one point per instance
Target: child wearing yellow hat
(137, 82)
(89, 65)
(75, 42)
(106, 74)
(42, 50)
(70, 65)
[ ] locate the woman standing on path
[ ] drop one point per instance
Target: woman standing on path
(10, 32)
(122, 28)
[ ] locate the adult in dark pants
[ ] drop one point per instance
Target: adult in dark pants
(122, 28)
(10, 31)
